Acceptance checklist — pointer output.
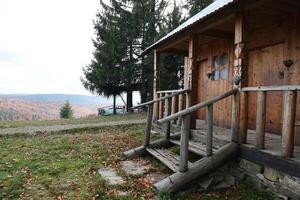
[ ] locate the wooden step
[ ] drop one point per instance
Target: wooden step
(196, 147)
(170, 159)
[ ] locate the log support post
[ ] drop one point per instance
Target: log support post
(261, 120)
(180, 107)
(234, 118)
(210, 126)
(161, 107)
(240, 73)
(168, 107)
(148, 125)
(158, 109)
(174, 107)
(192, 96)
(288, 123)
(156, 84)
(184, 143)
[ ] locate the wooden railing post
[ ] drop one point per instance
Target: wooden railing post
(161, 107)
(156, 108)
(174, 107)
(260, 120)
(148, 125)
(168, 107)
(210, 126)
(235, 118)
(288, 123)
(184, 143)
(243, 129)
(180, 108)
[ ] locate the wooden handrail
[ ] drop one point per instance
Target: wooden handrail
(168, 91)
(198, 106)
(272, 88)
(161, 99)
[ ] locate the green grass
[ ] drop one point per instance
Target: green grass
(13, 124)
(64, 166)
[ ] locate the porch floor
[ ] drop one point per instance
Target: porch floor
(272, 141)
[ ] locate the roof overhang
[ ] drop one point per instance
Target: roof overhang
(212, 9)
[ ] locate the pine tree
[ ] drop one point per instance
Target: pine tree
(103, 75)
(195, 6)
(66, 111)
(172, 65)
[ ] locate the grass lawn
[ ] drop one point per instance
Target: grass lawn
(64, 166)
(13, 124)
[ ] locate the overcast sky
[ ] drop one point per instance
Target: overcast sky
(44, 44)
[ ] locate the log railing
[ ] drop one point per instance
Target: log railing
(164, 100)
(185, 129)
(288, 115)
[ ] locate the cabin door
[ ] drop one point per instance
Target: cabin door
(266, 69)
(209, 88)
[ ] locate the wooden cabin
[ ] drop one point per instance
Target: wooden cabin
(242, 77)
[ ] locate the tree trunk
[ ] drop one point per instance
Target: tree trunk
(114, 105)
(129, 101)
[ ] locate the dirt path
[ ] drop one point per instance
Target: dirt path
(54, 128)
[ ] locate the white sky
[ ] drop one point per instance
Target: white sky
(44, 44)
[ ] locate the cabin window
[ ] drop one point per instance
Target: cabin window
(220, 67)
(224, 66)
(216, 68)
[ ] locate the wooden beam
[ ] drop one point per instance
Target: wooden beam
(288, 123)
(174, 107)
(240, 73)
(285, 165)
(272, 88)
(161, 107)
(156, 83)
(261, 120)
(193, 73)
(226, 35)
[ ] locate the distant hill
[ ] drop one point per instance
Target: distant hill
(47, 106)
(73, 98)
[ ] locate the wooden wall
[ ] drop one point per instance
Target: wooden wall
(272, 38)
(271, 41)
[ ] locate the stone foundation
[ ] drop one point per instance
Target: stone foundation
(281, 185)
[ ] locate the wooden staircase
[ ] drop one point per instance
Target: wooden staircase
(213, 153)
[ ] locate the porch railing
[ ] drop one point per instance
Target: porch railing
(167, 99)
(288, 116)
(185, 128)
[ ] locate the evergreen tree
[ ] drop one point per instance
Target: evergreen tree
(66, 111)
(195, 6)
(103, 75)
(172, 66)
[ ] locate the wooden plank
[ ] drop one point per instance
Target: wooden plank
(184, 143)
(210, 126)
(148, 125)
(156, 82)
(261, 120)
(272, 88)
(279, 163)
(168, 91)
(170, 161)
(288, 123)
